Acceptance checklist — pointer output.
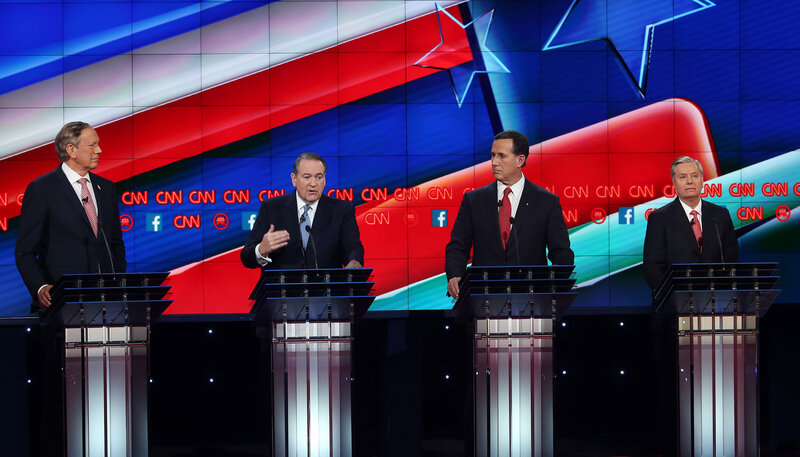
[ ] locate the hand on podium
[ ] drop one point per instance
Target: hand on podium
(354, 264)
(452, 286)
(44, 295)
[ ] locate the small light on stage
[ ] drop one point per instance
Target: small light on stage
(681, 370)
(622, 324)
(476, 373)
(151, 380)
(447, 376)
(28, 329)
(211, 380)
(447, 327)
(210, 331)
(622, 372)
(29, 381)
(564, 372)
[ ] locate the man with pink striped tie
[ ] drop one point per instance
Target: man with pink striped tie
(66, 214)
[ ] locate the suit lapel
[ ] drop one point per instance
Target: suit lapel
(66, 189)
(684, 227)
(292, 219)
(323, 215)
(489, 206)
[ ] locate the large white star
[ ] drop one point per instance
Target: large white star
(483, 59)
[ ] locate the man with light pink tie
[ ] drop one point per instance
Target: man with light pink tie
(68, 215)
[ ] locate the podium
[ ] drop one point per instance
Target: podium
(514, 309)
(717, 307)
(311, 314)
(106, 321)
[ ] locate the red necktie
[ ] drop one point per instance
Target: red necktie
(88, 205)
(504, 216)
(698, 232)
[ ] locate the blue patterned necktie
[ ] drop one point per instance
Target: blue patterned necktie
(303, 224)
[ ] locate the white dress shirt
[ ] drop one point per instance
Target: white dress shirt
(73, 178)
(688, 210)
(514, 197)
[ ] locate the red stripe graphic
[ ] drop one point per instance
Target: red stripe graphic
(250, 105)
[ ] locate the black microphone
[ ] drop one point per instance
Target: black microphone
(302, 218)
(719, 239)
(108, 248)
(499, 202)
(313, 246)
(85, 200)
(514, 234)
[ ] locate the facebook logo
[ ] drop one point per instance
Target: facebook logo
(626, 215)
(439, 218)
(154, 223)
(248, 219)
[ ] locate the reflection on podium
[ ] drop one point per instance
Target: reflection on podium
(717, 307)
(106, 321)
(514, 309)
(311, 315)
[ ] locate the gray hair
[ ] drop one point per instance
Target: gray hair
(685, 159)
(308, 156)
(69, 134)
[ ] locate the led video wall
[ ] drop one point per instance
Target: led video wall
(202, 107)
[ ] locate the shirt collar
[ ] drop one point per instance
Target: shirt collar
(301, 204)
(688, 209)
(516, 188)
(71, 175)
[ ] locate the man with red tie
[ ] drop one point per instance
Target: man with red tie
(508, 222)
(67, 217)
(687, 230)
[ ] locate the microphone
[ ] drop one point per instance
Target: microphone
(313, 246)
(514, 234)
(499, 203)
(302, 218)
(719, 239)
(85, 200)
(108, 249)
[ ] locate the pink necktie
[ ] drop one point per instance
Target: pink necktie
(698, 232)
(504, 215)
(88, 205)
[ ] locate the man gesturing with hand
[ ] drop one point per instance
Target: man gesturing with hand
(305, 229)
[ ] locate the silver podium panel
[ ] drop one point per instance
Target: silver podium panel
(514, 387)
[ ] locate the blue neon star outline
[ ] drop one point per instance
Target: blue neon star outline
(481, 26)
(639, 81)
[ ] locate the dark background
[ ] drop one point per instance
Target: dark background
(402, 403)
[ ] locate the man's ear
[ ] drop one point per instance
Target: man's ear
(72, 150)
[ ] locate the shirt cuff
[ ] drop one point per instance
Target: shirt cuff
(263, 261)
(40, 289)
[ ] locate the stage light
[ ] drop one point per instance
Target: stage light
(563, 324)
(447, 327)
(211, 380)
(564, 372)
(28, 329)
(622, 324)
(622, 372)
(447, 376)
(29, 381)
(210, 331)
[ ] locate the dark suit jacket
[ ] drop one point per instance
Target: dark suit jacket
(670, 239)
(55, 236)
(334, 229)
(539, 224)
